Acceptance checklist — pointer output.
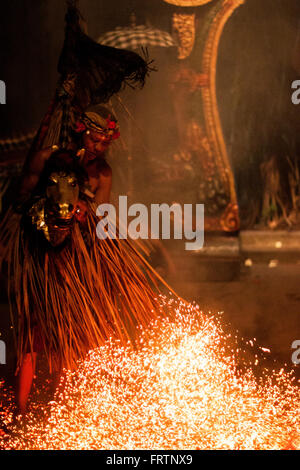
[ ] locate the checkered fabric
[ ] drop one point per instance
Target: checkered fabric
(135, 37)
(188, 3)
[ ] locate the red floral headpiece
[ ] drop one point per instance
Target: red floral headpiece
(111, 130)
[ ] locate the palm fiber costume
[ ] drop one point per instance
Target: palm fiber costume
(69, 291)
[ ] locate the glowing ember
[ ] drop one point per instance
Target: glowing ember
(180, 389)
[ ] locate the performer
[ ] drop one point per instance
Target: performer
(92, 135)
(97, 130)
(70, 292)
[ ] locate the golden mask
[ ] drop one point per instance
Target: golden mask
(54, 214)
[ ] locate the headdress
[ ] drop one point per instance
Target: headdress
(90, 74)
(92, 120)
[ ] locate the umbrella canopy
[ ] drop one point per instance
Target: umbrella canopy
(188, 3)
(133, 37)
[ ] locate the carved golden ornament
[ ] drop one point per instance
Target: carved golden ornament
(190, 78)
(188, 3)
(230, 221)
(196, 137)
(230, 218)
(184, 29)
(38, 218)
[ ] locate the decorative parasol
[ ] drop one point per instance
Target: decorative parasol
(188, 3)
(133, 37)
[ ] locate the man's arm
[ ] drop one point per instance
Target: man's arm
(31, 173)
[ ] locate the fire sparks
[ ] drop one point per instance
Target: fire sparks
(181, 388)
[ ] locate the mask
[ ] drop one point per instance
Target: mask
(54, 214)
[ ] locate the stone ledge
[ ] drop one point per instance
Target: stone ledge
(267, 241)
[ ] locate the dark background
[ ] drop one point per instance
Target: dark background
(259, 57)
